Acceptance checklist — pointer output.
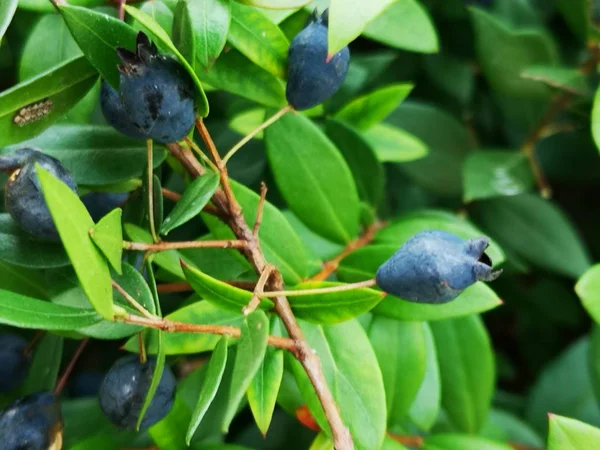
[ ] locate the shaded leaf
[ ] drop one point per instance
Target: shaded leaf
(108, 237)
(313, 177)
(44, 368)
(462, 442)
(73, 223)
(562, 78)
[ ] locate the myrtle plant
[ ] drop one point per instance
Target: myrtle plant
(234, 224)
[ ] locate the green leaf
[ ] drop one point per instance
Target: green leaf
(98, 36)
(504, 54)
(571, 368)
(169, 432)
(462, 442)
(156, 377)
(263, 390)
(53, 93)
(537, 230)
(161, 14)
(588, 290)
(95, 155)
(276, 4)
(562, 78)
(576, 14)
(353, 374)
(394, 145)
(278, 240)
(7, 11)
(349, 18)
(108, 236)
(402, 229)
(153, 27)
(207, 24)
(212, 380)
(246, 121)
(26, 312)
(73, 223)
(496, 174)
(195, 197)
(333, 307)
(219, 293)
(426, 407)
(43, 371)
(453, 75)
(19, 248)
(259, 39)
(367, 110)
(596, 119)
(157, 201)
(235, 73)
(400, 348)
(23, 281)
(198, 313)
(313, 177)
(405, 24)
(441, 171)
(251, 352)
(566, 433)
(467, 370)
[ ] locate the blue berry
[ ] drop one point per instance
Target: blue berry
(31, 423)
(435, 267)
(23, 195)
(124, 390)
(14, 364)
(115, 114)
(100, 204)
(311, 78)
(156, 92)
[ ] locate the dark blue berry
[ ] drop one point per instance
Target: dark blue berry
(435, 267)
(14, 364)
(156, 92)
(31, 423)
(311, 78)
(23, 195)
(115, 114)
(100, 204)
(124, 390)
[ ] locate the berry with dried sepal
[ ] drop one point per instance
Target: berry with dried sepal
(436, 267)
(312, 76)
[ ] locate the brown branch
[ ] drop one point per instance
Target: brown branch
(258, 290)
(186, 157)
(171, 195)
(259, 210)
(186, 287)
(171, 326)
(332, 265)
(164, 246)
(311, 363)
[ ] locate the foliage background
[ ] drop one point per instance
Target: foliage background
(451, 117)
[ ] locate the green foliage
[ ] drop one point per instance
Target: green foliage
(478, 120)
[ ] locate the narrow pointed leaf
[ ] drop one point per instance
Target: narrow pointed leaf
(108, 237)
(210, 385)
(566, 433)
(45, 365)
(152, 26)
(73, 223)
(588, 290)
(250, 354)
(7, 11)
(195, 197)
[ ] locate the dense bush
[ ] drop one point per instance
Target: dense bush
(218, 285)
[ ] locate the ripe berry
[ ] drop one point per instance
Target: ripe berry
(124, 390)
(156, 95)
(100, 204)
(435, 267)
(23, 195)
(31, 423)
(14, 363)
(311, 78)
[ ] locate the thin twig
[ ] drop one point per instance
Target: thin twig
(326, 290)
(257, 130)
(332, 265)
(151, 190)
(142, 348)
(186, 287)
(122, 9)
(38, 335)
(186, 157)
(200, 153)
(164, 246)
(132, 301)
(259, 210)
(258, 290)
(171, 195)
(65, 376)
(170, 326)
